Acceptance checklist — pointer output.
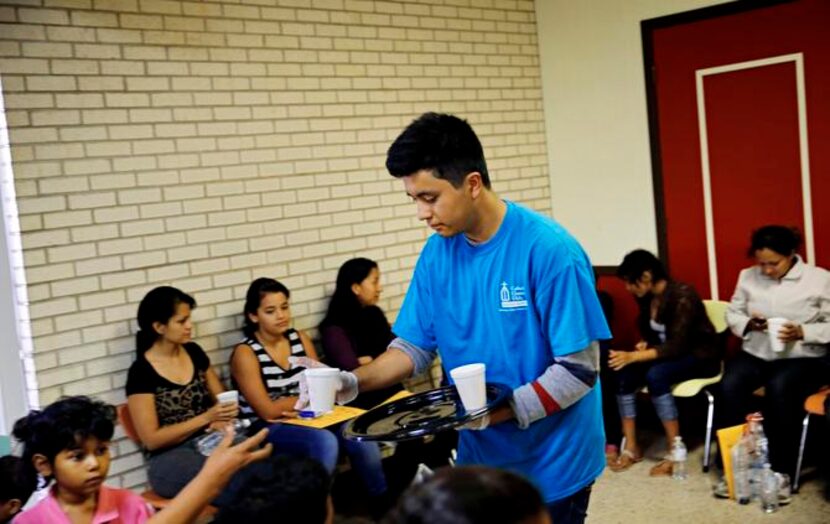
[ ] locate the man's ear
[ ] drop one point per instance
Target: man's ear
(474, 183)
(42, 465)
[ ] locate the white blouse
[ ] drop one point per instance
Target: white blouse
(801, 296)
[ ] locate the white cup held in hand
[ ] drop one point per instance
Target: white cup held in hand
(322, 387)
(228, 397)
(470, 383)
(774, 326)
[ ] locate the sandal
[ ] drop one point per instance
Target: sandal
(626, 459)
(661, 469)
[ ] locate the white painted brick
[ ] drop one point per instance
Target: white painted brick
(41, 204)
(89, 386)
(98, 265)
(169, 273)
(141, 228)
(67, 219)
(60, 340)
(105, 332)
(76, 321)
(61, 375)
(118, 214)
(71, 252)
(74, 287)
(148, 259)
(123, 312)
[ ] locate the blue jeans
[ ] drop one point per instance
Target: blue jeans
(660, 376)
(571, 510)
(324, 445)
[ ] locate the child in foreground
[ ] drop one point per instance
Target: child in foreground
(69, 442)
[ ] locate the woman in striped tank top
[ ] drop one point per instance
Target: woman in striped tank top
(268, 386)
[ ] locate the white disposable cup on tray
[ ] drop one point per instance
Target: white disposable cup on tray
(471, 385)
(774, 326)
(228, 397)
(322, 388)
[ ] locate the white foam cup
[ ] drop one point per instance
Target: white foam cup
(322, 387)
(470, 383)
(774, 325)
(228, 397)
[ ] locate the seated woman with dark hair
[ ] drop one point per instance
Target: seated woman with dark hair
(679, 343)
(355, 330)
(782, 285)
(263, 371)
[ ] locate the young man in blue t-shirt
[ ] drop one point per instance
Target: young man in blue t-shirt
(502, 285)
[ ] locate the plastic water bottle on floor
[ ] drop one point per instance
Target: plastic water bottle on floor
(769, 490)
(208, 442)
(740, 472)
(678, 459)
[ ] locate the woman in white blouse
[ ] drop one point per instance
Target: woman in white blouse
(780, 285)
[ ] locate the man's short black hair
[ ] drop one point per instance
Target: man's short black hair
(14, 482)
(285, 489)
(441, 143)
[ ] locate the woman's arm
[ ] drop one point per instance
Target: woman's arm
(214, 475)
(819, 332)
(338, 348)
(247, 374)
(737, 313)
(145, 419)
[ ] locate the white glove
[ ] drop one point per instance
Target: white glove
(347, 389)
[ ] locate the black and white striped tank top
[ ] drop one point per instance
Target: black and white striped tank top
(278, 382)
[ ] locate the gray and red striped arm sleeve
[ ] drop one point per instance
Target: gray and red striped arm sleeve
(567, 380)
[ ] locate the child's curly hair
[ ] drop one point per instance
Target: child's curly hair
(62, 425)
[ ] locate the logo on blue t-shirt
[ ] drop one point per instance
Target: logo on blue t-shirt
(512, 298)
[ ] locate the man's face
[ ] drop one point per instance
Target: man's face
(447, 210)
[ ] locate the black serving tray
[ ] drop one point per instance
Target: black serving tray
(421, 414)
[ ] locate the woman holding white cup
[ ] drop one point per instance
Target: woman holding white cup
(781, 310)
(266, 368)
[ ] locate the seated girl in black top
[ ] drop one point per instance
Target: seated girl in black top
(171, 392)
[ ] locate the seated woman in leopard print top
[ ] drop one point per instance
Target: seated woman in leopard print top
(171, 393)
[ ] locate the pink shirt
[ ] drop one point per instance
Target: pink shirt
(116, 506)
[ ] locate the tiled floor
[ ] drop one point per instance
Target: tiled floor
(632, 497)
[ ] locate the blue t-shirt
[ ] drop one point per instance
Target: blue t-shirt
(515, 302)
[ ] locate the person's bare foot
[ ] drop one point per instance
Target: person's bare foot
(626, 459)
(661, 469)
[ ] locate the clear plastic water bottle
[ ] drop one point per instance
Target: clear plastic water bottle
(758, 447)
(740, 472)
(769, 489)
(208, 442)
(679, 455)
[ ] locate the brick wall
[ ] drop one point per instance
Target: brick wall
(205, 143)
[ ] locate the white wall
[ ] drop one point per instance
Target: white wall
(205, 143)
(596, 120)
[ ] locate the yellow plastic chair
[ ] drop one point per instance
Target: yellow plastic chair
(716, 311)
(814, 405)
